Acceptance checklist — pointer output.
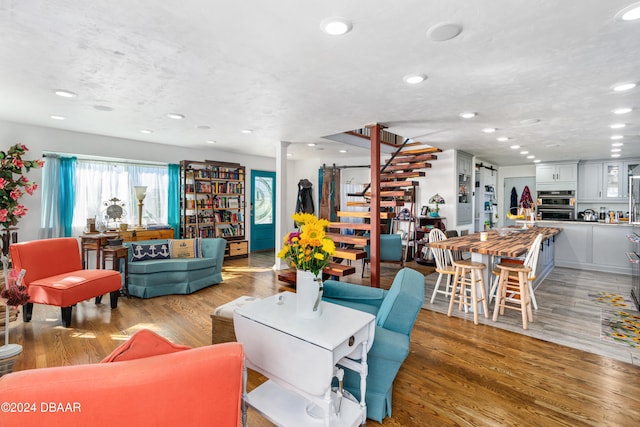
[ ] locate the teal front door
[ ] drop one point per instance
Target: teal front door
(263, 210)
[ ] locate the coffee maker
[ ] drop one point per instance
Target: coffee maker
(603, 213)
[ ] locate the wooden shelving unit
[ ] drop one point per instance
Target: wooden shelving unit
(212, 203)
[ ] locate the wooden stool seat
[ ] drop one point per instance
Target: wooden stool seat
(469, 273)
(513, 292)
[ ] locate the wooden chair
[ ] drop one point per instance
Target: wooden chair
(469, 273)
(530, 260)
(513, 292)
(444, 264)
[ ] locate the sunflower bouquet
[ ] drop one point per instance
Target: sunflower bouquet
(308, 249)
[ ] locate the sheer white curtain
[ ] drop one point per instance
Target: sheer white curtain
(98, 182)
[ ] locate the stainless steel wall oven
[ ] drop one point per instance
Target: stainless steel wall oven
(556, 205)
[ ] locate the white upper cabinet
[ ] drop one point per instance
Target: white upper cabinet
(556, 176)
(604, 181)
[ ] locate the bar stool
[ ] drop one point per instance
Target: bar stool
(513, 292)
(469, 273)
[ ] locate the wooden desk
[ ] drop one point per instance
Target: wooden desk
(115, 254)
(137, 235)
(94, 242)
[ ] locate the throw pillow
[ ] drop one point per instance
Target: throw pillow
(143, 343)
(149, 252)
(185, 248)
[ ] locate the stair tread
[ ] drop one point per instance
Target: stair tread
(350, 253)
(358, 214)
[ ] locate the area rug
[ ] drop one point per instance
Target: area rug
(620, 321)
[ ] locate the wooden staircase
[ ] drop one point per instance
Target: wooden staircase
(396, 190)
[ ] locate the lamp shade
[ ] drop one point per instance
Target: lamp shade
(141, 192)
(437, 199)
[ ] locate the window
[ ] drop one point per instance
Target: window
(97, 182)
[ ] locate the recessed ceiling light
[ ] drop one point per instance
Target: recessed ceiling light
(622, 110)
(629, 13)
(531, 157)
(175, 116)
(414, 79)
(65, 93)
(514, 147)
(468, 115)
(503, 138)
(210, 141)
(623, 86)
(614, 137)
(536, 161)
(102, 108)
(529, 121)
(336, 26)
(343, 151)
(444, 31)
(57, 117)
(617, 126)
(146, 131)
(246, 131)
(616, 150)
(289, 154)
(311, 144)
(617, 144)
(489, 130)
(524, 152)
(615, 155)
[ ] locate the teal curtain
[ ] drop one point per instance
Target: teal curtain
(173, 217)
(67, 193)
(57, 197)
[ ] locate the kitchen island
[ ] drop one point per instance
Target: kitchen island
(516, 244)
(596, 246)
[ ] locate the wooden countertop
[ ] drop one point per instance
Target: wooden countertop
(513, 245)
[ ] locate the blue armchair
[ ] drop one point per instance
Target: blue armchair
(396, 311)
(390, 250)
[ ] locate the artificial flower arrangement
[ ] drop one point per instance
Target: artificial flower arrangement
(308, 249)
(11, 179)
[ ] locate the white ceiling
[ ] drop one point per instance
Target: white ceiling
(267, 66)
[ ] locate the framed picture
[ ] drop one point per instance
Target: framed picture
(424, 211)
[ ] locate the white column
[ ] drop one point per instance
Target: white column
(282, 216)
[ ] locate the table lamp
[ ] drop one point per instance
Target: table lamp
(141, 192)
(437, 200)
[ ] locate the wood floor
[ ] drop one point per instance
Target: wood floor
(456, 374)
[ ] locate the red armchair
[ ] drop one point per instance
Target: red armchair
(54, 276)
(150, 382)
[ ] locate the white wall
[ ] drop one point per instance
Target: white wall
(511, 172)
(40, 139)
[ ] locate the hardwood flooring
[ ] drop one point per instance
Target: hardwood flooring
(456, 373)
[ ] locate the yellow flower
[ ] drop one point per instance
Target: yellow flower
(319, 256)
(309, 249)
(328, 246)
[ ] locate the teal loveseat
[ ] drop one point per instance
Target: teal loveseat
(396, 311)
(155, 277)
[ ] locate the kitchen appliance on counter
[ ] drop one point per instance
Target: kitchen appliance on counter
(588, 215)
(557, 205)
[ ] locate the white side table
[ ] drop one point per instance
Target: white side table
(299, 357)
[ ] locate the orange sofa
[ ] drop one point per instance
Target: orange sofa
(148, 381)
(54, 276)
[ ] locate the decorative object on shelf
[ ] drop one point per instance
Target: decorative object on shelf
(14, 294)
(438, 200)
(141, 192)
(12, 176)
(308, 250)
(114, 211)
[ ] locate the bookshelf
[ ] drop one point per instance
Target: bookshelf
(213, 203)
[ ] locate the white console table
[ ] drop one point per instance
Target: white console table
(299, 357)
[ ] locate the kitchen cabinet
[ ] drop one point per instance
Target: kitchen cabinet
(485, 198)
(604, 181)
(464, 171)
(556, 176)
